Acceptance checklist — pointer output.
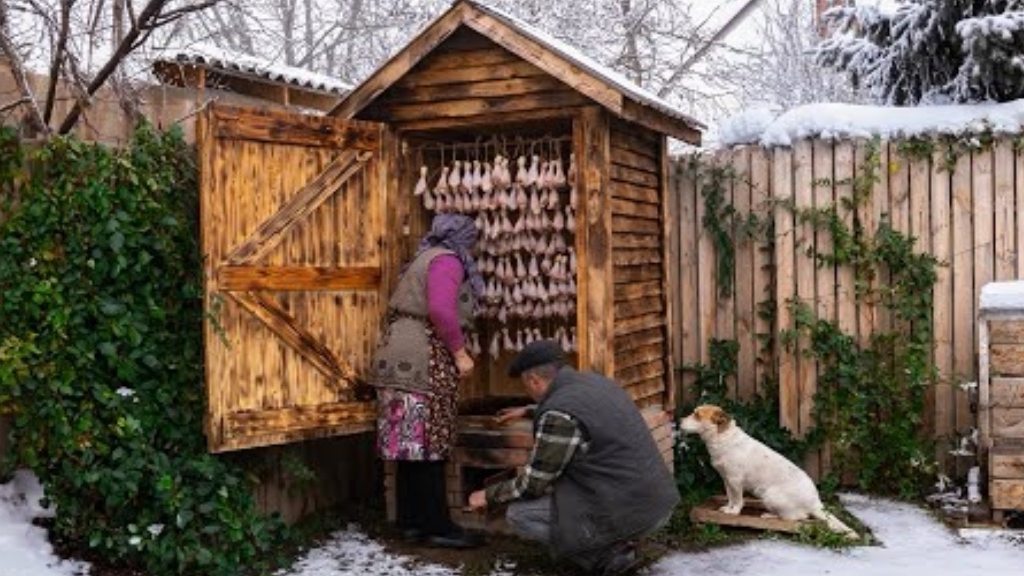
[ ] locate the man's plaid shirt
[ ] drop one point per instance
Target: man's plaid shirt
(556, 440)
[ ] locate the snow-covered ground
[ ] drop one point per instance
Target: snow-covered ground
(912, 542)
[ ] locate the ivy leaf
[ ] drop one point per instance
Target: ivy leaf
(116, 241)
(111, 307)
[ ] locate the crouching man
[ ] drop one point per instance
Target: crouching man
(595, 480)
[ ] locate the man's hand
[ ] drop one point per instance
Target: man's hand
(464, 363)
(477, 501)
(506, 414)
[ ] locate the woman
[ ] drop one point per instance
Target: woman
(417, 370)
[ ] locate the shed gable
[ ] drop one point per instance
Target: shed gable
(470, 76)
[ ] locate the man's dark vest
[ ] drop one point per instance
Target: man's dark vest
(620, 486)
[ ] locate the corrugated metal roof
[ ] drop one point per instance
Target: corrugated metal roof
(215, 58)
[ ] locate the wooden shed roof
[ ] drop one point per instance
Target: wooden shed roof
(595, 81)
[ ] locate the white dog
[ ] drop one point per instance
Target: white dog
(747, 465)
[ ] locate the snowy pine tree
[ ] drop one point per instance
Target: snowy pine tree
(930, 51)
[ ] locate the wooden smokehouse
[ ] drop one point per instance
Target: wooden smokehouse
(307, 221)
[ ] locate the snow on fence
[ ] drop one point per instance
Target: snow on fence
(971, 217)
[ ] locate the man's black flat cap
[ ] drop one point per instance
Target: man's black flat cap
(535, 354)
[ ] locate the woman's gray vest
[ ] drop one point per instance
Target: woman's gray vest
(620, 487)
(403, 358)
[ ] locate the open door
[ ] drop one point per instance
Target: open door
(292, 217)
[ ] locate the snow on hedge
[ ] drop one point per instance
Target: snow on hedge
(842, 121)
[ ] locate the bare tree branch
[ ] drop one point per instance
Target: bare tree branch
(142, 26)
(12, 105)
(18, 71)
(57, 60)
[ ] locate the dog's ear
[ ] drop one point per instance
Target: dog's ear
(721, 419)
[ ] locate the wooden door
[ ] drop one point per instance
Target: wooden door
(292, 233)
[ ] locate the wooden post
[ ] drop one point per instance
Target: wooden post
(669, 199)
(595, 314)
(984, 423)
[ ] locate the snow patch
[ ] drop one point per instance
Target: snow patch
(24, 547)
(1003, 296)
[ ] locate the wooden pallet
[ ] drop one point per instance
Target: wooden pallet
(749, 517)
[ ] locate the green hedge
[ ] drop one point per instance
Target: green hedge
(101, 356)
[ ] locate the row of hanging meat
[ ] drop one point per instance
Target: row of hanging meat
(513, 340)
(527, 219)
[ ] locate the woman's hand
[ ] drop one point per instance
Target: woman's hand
(506, 414)
(464, 363)
(477, 502)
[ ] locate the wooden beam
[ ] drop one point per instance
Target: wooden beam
(503, 105)
(275, 127)
(339, 374)
(439, 79)
(670, 280)
(596, 312)
(661, 122)
(491, 55)
(253, 423)
(487, 120)
(272, 231)
(488, 87)
(286, 278)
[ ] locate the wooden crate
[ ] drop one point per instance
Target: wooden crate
(1006, 478)
(1001, 407)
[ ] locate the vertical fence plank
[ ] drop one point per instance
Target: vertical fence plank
(942, 296)
(785, 286)
(707, 286)
(689, 274)
(880, 212)
(862, 149)
(899, 188)
(846, 296)
(804, 191)
(982, 184)
(764, 272)
(1018, 189)
(745, 288)
(963, 300)
(824, 276)
(803, 269)
(725, 305)
(920, 222)
(1003, 202)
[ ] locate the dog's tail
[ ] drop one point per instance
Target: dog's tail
(835, 524)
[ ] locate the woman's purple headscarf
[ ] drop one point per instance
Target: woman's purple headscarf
(456, 232)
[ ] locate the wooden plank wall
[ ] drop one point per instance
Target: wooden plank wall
(638, 244)
(470, 78)
(970, 217)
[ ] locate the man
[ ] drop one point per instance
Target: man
(595, 479)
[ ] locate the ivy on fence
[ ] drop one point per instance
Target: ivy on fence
(870, 395)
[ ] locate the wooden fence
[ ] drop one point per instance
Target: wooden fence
(967, 211)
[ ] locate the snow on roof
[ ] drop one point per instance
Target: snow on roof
(843, 121)
(613, 77)
(227, 60)
(1004, 296)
